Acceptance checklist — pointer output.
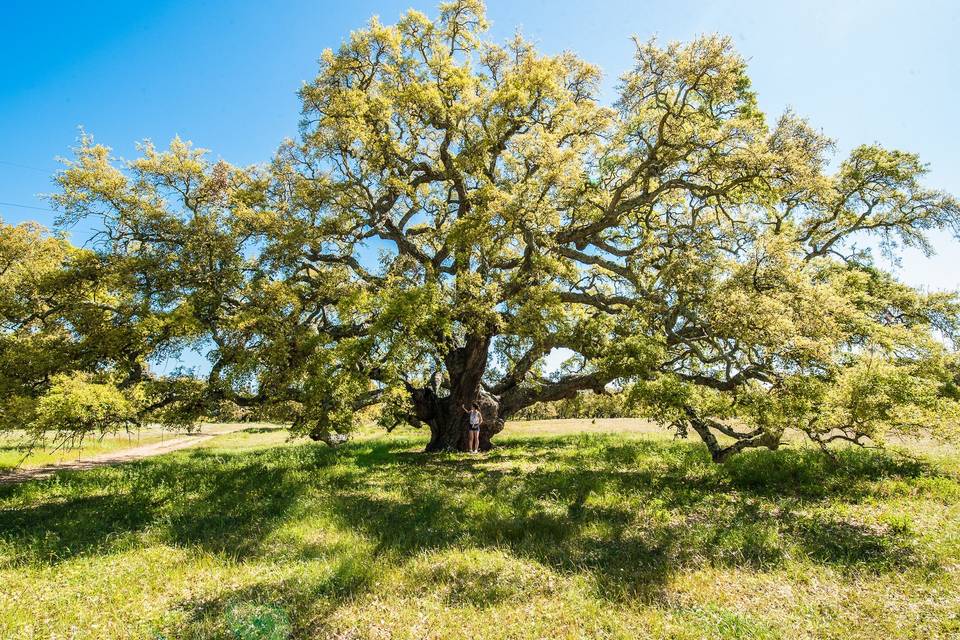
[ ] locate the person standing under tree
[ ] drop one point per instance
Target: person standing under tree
(473, 434)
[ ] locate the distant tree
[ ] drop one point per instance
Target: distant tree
(455, 210)
(586, 404)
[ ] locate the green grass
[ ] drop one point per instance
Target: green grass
(549, 536)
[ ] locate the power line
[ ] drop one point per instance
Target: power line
(26, 206)
(26, 166)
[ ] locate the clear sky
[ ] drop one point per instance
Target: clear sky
(224, 74)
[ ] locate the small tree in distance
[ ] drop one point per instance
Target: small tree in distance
(455, 210)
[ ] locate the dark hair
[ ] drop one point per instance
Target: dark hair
(476, 405)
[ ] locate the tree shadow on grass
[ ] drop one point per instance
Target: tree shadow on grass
(268, 610)
(626, 513)
(222, 504)
(630, 514)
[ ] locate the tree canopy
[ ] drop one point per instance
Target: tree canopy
(454, 211)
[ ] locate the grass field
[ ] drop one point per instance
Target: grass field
(562, 532)
(16, 452)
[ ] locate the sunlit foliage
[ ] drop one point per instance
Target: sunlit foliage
(455, 209)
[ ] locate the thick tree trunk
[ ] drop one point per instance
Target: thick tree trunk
(444, 414)
(449, 424)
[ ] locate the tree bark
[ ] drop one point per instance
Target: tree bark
(719, 453)
(444, 415)
(449, 423)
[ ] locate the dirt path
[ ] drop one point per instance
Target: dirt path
(124, 455)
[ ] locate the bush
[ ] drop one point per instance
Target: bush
(75, 406)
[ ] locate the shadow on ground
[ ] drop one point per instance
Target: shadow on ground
(626, 513)
(630, 513)
(224, 504)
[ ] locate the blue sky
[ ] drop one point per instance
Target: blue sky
(224, 74)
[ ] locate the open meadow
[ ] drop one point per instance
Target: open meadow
(16, 451)
(568, 529)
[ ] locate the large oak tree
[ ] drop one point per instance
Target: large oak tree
(455, 211)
